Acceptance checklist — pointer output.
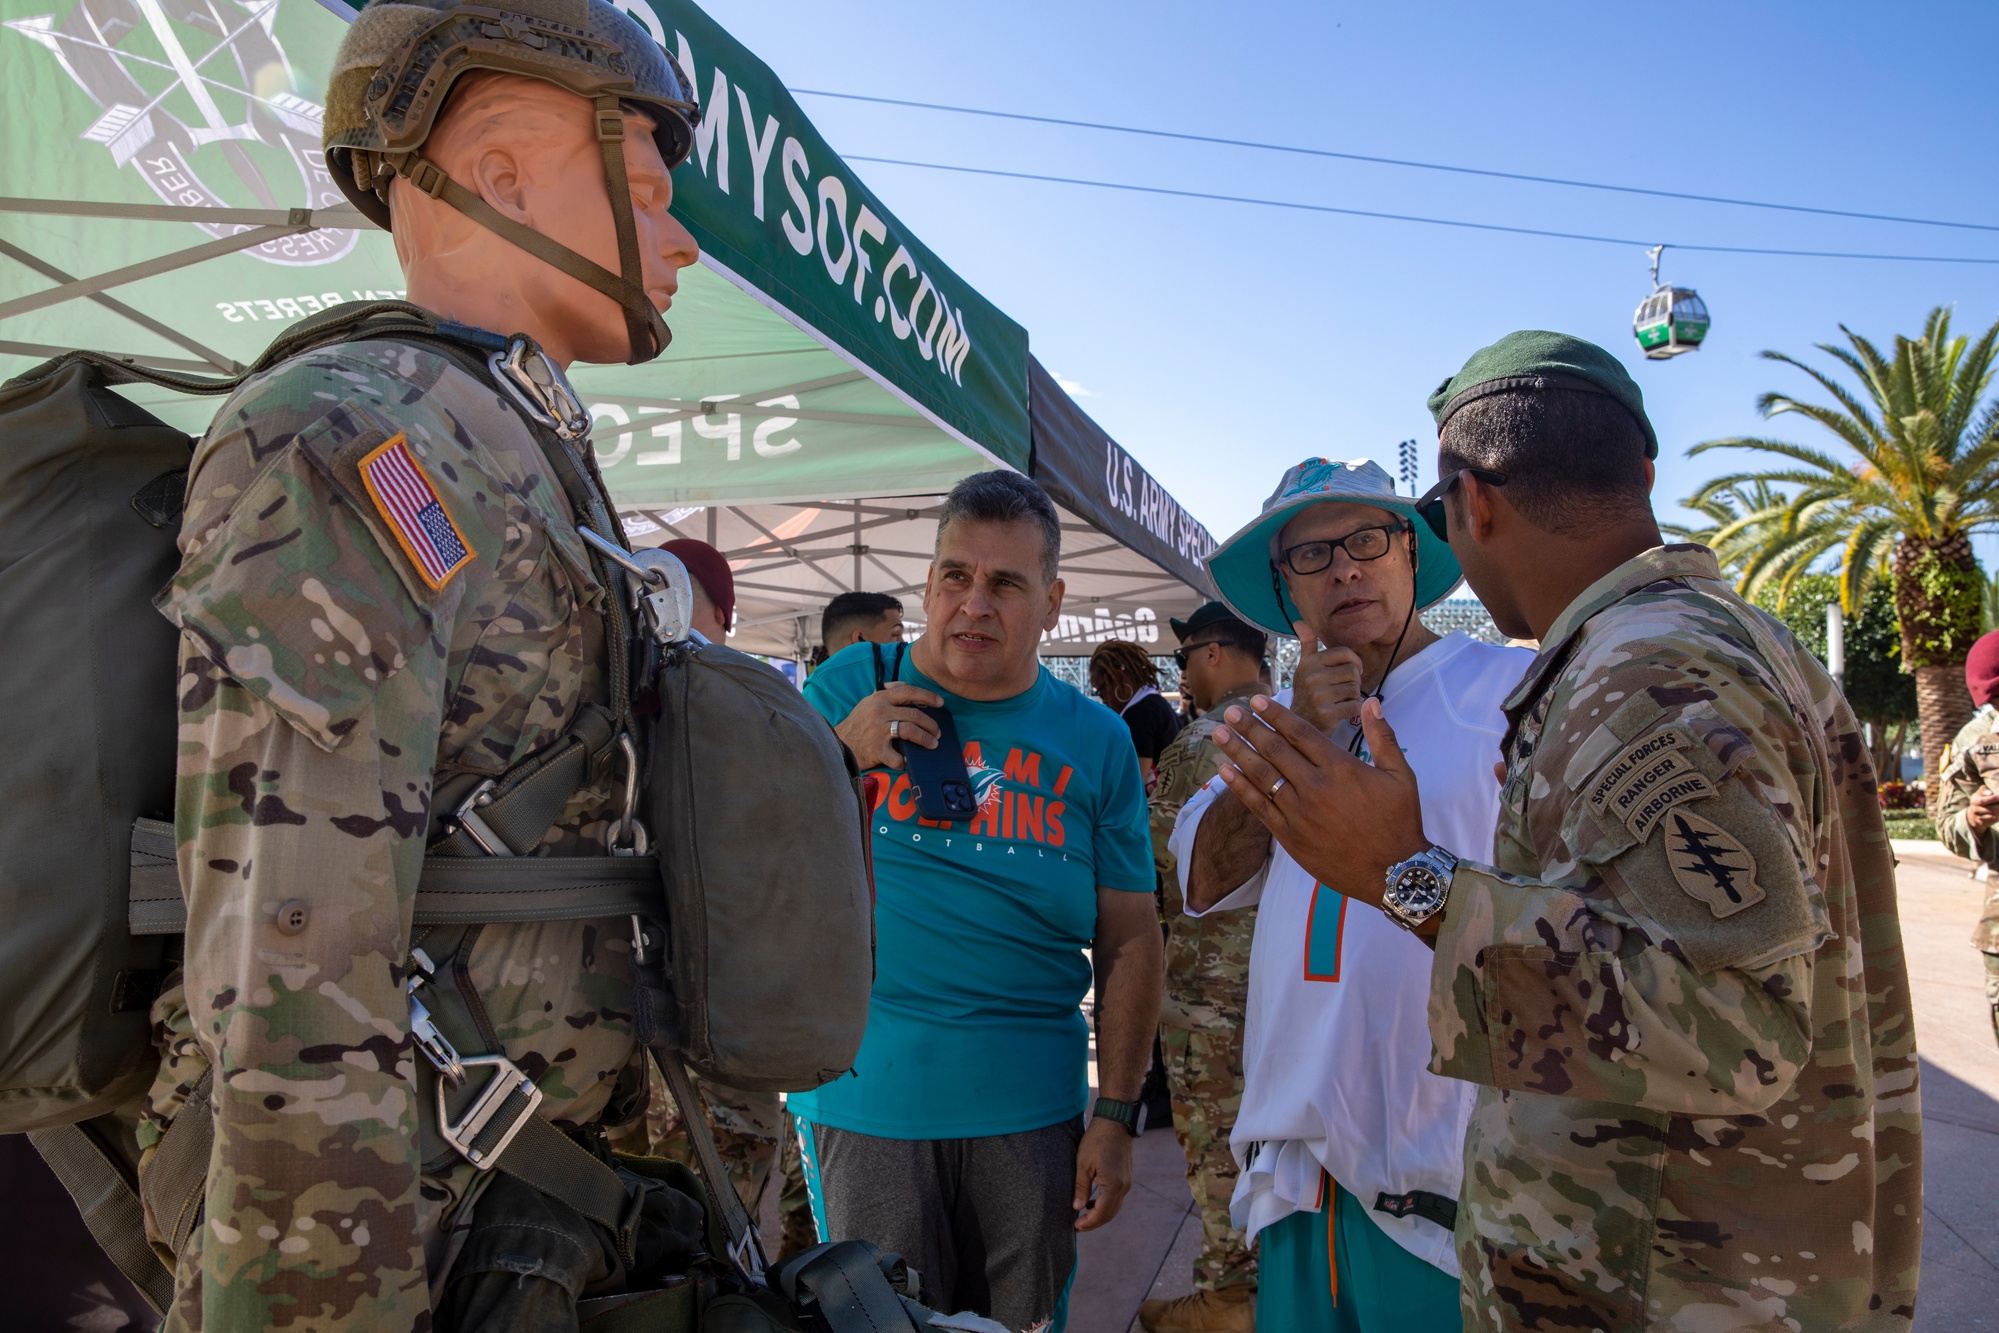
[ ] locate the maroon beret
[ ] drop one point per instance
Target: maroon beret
(710, 569)
(1981, 669)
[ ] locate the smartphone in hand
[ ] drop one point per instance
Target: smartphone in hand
(942, 787)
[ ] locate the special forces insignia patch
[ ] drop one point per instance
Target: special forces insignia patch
(1649, 779)
(1710, 864)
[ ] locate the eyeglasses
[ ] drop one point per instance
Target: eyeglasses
(1431, 503)
(1188, 650)
(1366, 544)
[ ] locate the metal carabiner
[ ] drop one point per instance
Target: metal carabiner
(665, 590)
(618, 555)
(436, 1047)
(538, 385)
(628, 837)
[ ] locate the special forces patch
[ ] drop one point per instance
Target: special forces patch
(1651, 777)
(1710, 864)
(1636, 756)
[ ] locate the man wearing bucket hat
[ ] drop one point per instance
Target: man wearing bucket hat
(1679, 982)
(1351, 1151)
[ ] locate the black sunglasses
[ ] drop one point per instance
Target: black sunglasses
(1364, 545)
(1431, 504)
(1188, 650)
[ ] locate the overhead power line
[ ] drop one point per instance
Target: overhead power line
(1398, 161)
(1411, 217)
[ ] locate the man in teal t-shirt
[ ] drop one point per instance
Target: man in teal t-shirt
(958, 1139)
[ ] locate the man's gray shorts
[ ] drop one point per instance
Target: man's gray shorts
(985, 1222)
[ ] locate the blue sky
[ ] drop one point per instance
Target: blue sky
(1221, 342)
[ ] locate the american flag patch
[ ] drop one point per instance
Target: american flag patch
(402, 491)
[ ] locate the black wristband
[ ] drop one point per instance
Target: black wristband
(1129, 1114)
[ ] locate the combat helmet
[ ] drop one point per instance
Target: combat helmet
(399, 62)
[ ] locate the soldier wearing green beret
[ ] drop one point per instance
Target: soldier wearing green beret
(1680, 987)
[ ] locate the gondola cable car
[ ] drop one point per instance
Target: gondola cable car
(1671, 320)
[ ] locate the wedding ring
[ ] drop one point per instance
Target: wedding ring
(895, 729)
(1275, 787)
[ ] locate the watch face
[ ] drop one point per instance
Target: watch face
(1419, 891)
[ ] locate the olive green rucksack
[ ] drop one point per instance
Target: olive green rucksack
(90, 499)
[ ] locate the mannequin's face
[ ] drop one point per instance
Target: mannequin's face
(530, 150)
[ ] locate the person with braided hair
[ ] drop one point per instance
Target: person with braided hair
(1125, 678)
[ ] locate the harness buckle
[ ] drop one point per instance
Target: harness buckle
(468, 818)
(506, 1103)
(538, 387)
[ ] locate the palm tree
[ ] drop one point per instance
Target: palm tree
(1725, 507)
(1919, 473)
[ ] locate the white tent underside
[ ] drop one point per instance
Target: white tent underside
(791, 559)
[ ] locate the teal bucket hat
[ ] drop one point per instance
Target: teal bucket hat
(1244, 567)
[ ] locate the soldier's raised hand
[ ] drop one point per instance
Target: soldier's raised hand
(1325, 691)
(871, 730)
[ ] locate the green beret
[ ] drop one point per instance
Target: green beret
(1534, 359)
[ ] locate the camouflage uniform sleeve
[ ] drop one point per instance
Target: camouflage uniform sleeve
(1184, 765)
(1961, 781)
(311, 696)
(1662, 958)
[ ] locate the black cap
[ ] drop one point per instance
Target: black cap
(1214, 613)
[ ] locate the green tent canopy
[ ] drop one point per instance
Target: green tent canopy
(163, 196)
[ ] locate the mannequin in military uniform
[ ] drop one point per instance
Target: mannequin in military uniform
(382, 586)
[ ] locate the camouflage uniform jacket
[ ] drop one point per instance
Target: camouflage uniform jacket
(1207, 958)
(1970, 762)
(325, 675)
(1682, 987)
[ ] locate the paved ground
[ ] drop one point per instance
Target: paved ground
(1150, 1249)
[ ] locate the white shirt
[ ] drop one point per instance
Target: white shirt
(1337, 1043)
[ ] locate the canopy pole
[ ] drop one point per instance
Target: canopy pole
(858, 548)
(344, 216)
(117, 307)
(152, 268)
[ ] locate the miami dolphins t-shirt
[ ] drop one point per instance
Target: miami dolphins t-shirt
(975, 1025)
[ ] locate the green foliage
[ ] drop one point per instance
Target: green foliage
(1876, 685)
(1905, 825)
(1951, 598)
(1724, 509)
(1920, 461)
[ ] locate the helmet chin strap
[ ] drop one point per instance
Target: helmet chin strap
(644, 329)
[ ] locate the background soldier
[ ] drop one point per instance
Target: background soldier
(1680, 987)
(1207, 980)
(382, 583)
(1970, 800)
